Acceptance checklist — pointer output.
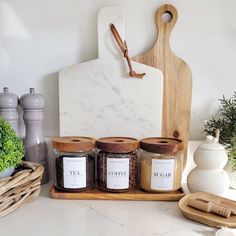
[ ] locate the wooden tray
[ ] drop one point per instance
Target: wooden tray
(137, 195)
(203, 217)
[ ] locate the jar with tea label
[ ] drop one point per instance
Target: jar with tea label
(117, 164)
(161, 164)
(74, 163)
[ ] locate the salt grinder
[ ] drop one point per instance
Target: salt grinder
(8, 107)
(35, 144)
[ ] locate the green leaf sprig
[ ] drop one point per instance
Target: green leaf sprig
(11, 146)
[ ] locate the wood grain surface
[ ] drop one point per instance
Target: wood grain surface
(137, 195)
(177, 79)
(210, 219)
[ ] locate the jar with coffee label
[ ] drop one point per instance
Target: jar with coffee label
(74, 163)
(117, 164)
(161, 164)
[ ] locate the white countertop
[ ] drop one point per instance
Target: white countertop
(46, 216)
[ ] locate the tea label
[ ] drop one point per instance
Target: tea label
(162, 174)
(74, 171)
(117, 173)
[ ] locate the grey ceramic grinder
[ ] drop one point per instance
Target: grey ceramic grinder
(35, 144)
(8, 108)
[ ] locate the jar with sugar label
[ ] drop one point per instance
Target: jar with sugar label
(161, 164)
(74, 163)
(117, 164)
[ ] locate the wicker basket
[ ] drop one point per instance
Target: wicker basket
(20, 188)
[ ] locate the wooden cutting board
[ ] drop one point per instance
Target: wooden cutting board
(177, 79)
(98, 98)
(210, 219)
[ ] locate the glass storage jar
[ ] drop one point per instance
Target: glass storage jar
(161, 164)
(117, 164)
(74, 163)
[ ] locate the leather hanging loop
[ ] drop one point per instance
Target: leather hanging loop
(124, 48)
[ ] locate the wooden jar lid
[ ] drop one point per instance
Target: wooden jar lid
(73, 144)
(161, 145)
(117, 144)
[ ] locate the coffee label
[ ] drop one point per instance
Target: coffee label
(162, 174)
(117, 173)
(74, 171)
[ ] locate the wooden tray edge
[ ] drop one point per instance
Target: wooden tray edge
(203, 217)
(53, 193)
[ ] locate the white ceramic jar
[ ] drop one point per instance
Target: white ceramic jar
(209, 175)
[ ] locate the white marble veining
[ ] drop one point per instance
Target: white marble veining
(98, 98)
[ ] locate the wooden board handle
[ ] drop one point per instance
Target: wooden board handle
(162, 24)
(165, 27)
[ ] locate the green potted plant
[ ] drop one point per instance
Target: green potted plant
(11, 149)
(226, 122)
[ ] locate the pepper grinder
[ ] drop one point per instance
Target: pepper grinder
(35, 144)
(8, 108)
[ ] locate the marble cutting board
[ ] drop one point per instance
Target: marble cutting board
(98, 98)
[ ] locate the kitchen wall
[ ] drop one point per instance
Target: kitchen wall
(38, 38)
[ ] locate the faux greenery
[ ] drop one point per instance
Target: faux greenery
(232, 153)
(11, 146)
(226, 122)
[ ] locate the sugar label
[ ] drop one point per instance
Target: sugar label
(162, 174)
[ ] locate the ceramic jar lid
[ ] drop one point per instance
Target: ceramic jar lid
(117, 144)
(8, 100)
(161, 145)
(32, 101)
(211, 144)
(73, 144)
